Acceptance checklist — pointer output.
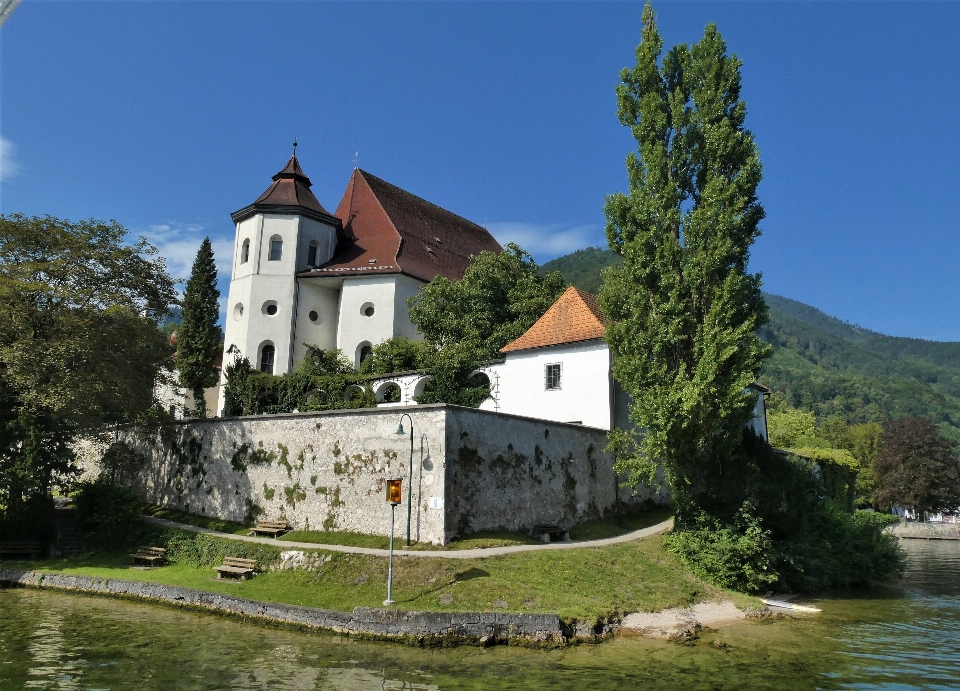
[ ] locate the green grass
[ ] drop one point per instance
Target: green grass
(620, 525)
(333, 537)
(207, 522)
(581, 584)
(480, 540)
(591, 530)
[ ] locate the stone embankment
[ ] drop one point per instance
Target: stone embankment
(926, 531)
(424, 628)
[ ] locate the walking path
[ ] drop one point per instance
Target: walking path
(451, 554)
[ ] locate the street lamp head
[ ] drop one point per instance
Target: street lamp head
(400, 429)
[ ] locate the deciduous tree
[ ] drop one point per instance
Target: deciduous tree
(684, 309)
(79, 342)
(199, 339)
(466, 322)
(917, 467)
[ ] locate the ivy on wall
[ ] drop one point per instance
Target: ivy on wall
(249, 392)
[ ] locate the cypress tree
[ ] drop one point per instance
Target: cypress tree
(199, 338)
(683, 309)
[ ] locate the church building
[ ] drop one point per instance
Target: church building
(302, 275)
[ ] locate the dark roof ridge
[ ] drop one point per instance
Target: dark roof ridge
(421, 199)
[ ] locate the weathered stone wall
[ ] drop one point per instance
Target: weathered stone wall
(505, 471)
(319, 471)
(926, 531)
(472, 470)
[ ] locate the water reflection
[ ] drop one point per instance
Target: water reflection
(882, 640)
(55, 664)
(920, 650)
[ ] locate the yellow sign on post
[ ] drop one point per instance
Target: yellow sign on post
(394, 490)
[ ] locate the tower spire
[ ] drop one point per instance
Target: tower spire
(294, 146)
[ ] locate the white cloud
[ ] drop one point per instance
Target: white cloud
(178, 244)
(546, 241)
(8, 166)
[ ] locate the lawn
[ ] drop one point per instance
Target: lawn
(218, 524)
(581, 584)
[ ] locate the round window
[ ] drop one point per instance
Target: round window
(367, 309)
(270, 308)
(313, 315)
(238, 311)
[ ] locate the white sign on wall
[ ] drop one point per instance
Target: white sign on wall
(436, 503)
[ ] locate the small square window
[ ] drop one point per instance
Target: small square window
(552, 376)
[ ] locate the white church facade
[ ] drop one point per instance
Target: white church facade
(303, 276)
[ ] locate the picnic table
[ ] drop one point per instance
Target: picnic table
(235, 567)
(149, 556)
(29, 549)
(271, 528)
(549, 532)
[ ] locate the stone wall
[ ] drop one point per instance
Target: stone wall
(429, 628)
(472, 470)
(506, 471)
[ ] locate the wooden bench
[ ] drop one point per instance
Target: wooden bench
(234, 567)
(31, 550)
(548, 532)
(150, 556)
(271, 528)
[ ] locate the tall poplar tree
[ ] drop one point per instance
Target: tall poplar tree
(683, 309)
(198, 337)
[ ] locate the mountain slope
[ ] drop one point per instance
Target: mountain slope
(830, 366)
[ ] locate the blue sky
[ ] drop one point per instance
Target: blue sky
(168, 116)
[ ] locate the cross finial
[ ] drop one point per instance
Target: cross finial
(294, 146)
(356, 159)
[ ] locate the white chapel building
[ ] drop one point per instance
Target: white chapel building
(301, 275)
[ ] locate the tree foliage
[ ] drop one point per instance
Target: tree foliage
(683, 309)
(465, 322)
(917, 468)
(79, 343)
(199, 340)
(397, 354)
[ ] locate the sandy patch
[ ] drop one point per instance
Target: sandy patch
(682, 622)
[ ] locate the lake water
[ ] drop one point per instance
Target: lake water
(905, 638)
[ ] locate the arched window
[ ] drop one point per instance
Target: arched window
(364, 350)
(276, 248)
(312, 254)
(266, 358)
(245, 251)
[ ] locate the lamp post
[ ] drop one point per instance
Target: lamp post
(410, 488)
(394, 494)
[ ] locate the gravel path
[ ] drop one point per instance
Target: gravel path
(451, 554)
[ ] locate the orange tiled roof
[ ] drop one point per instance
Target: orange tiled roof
(575, 316)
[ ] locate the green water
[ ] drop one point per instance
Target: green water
(905, 638)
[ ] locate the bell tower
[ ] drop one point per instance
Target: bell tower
(285, 231)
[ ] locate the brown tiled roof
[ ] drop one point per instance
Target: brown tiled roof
(575, 316)
(289, 193)
(389, 230)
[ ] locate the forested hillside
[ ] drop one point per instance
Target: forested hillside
(823, 364)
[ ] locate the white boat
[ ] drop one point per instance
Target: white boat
(789, 605)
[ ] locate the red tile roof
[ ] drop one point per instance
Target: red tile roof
(389, 230)
(575, 316)
(289, 193)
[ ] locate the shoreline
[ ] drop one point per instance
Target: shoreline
(433, 629)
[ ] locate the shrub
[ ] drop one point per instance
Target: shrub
(738, 556)
(107, 511)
